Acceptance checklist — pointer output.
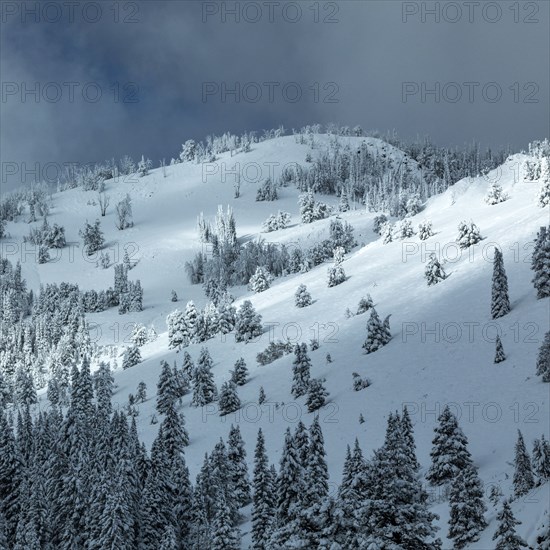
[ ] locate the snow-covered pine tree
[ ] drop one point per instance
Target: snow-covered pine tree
(166, 389)
(248, 323)
(541, 459)
(343, 204)
(365, 304)
(317, 395)
(302, 298)
(499, 353)
(300, 371)
(336, 273)
(92, 237)
(434, 271)
(468, 234)
(495, 194)
(260, 281)
(449, 453)
(543, 359)
(408, 433)
(386, 231)
(406, 230)
(425, 230)
(261, 396)
(378, 334)
(143, 167)
(543, 198)
(141, 394)
(540, 263)
(467, 518)
(500, 302)
(495, 495)
(236, 455)
(226, 535)
(187, 366)
(239, 374)
(204, 387)
(191, 316)
(262, 499)
(505, 535)
(523, 473)
(174, 434)
(178, 336)
(132, 357)
(229, 401)
(139, 335)
(379, 221)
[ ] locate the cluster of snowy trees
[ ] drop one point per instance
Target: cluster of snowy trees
(267, 191)
(195, 326)
(278, 221)
(312, 210)
(47, 236)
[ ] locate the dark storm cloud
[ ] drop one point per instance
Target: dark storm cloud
(152, 61)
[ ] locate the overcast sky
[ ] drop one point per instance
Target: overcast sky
(141, 77)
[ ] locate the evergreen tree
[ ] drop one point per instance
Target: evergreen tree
(236, 455)
(523, 473)
(174, 433)
(169, 541)
(386, 231)
(378, 223)
(226, 536)
(174, 296)
(261, 396)
(543, 359)
(365, 304)
(104, 386)
(166, 389)
(467, 508)
(132, 357)
(188, 367)
(92, 237)
(505, 535)
(541, 459)
(300, 371)
(425, 230)
(229, 401)
(499, 354)
(302, 298)
(336, 273)
(500, 303)
(239, 375)
(191, 319)
(406, 229)
(449, 453)
(317, 395)
(434, 271)
(540, 263)
(178, 335)
(378, 334)
(468, 234)
(204, 387)
(248, 324)
(262, 507)
(495, 195)
(260, 281)
(408, 434)
(543, 198)
(141, 394)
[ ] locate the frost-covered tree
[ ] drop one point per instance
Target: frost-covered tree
(468, 234)
(143, 167)
(262, 497)
(261, 280)
(386, 232)
(434, 272)
(191, 320)
(92, 237)
(406, 230)
(261, 396)
(505, 535)
(226, 535)
(343, 204)
(300, 371)
(167, 391)
(239, 374)
(229, 401)
(449, 454)
(124, 213)
(467, 519)
(541, 459)
(523, 473)
(425, 230)
(132, 357)
(540, 263)
(543, 359)
(310, 209)
(236, 456)
(248, 323)
(43, 255)
(379, 222)
(365, 304)
(317, 395)
(278, 221)
(495, 195)
(178, 335)
(139, 335)
(336, 273)
(267, 191)
(302, 298)
(500, 302)
(204, 387)
(378, 332)
(141, 394)
(499, 352)
(543, 198)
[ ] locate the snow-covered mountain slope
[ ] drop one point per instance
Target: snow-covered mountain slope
(443, 337)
